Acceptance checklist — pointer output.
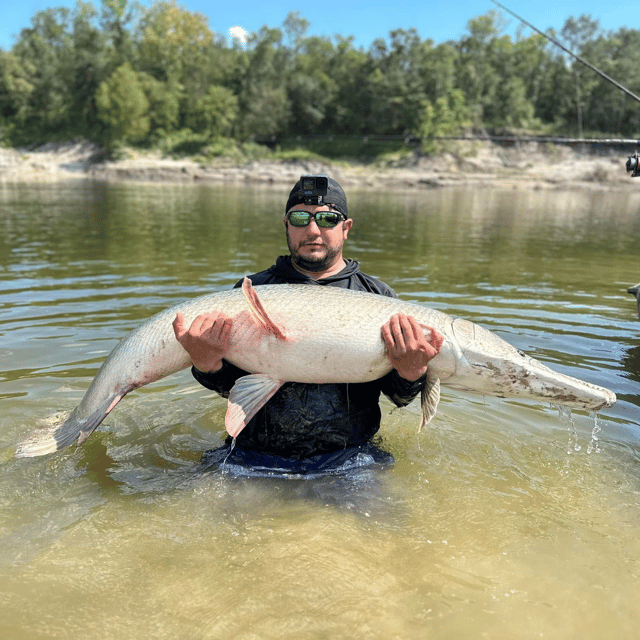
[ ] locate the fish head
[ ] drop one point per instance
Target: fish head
(490, 365)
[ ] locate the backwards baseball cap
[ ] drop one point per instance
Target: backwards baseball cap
(335, 196)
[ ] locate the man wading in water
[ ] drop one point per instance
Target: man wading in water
(312, 427)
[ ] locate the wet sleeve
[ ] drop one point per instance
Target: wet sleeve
(400, 391)
(220, 381)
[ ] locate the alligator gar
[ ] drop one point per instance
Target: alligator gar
(301, 333)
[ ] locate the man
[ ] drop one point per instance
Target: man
(311, 427)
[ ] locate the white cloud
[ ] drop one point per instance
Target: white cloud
(240, 34)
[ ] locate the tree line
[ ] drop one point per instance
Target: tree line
(123, 73)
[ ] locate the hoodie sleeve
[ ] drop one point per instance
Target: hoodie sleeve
(222, 380)
(400, 391)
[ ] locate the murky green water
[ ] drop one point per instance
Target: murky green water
(498, 521)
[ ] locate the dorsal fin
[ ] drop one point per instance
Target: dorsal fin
(258, 310)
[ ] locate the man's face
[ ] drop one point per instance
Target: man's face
(315, 248)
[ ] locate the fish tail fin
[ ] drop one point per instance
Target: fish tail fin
(430, 397)
(75, 428)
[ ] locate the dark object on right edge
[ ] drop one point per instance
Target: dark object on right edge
(634, 292)
(632, 165)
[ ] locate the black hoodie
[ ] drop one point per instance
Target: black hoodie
(303, 420)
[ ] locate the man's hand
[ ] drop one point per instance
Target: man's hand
(407, 347)
(206, 340)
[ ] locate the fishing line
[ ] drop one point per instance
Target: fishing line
(577, 57)
(633, 162)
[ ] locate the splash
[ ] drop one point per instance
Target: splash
(594, 443)
(567, 418)
(573, 446)
(231, 448)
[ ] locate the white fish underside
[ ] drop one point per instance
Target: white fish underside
(313, 334)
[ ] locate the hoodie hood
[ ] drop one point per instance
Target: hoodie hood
(284, 269)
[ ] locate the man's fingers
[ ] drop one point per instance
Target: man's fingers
(225, 330)
(416, 328)
(200, 325)
(434, 338)
(437, 339)
(216, 326)
(398, 333)
(412, 331)
(178, 325)
(408, 346)
(387, 338)
(405, 332)
(217, 329)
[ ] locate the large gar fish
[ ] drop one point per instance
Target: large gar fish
(303, 333)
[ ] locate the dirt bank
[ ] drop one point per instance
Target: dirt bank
(529, 165)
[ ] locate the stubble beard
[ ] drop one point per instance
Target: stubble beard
(313, 263)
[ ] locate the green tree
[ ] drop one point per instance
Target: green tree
(178, 50)
(15, 88)
(440, 69)
(396, 84)
(123, 106)
(496, 75)
(311, 88)
(118, 19)
(164, 103)
(90, 63)
(349, 108)
(215, 113)
(606, 108)
(445, 117)
(46, 50)
(532, 64)
(262, 99)
(295, 26)
(576, 33)
(478, 77)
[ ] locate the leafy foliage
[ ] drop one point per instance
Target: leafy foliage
(123, 106)
(158, 74)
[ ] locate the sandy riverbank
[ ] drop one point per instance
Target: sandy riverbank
(476, 163)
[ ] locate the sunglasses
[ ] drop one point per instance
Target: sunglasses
(324, 219)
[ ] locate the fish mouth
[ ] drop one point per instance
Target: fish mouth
(566, 390)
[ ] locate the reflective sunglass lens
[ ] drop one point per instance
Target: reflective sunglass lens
(325, 219)
(299, 218)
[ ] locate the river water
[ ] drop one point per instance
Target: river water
(502, 519)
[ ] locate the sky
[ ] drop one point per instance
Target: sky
(438, 20)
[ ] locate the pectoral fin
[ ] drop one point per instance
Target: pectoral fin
(258, 310)
(430, 398)
(247, 397)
